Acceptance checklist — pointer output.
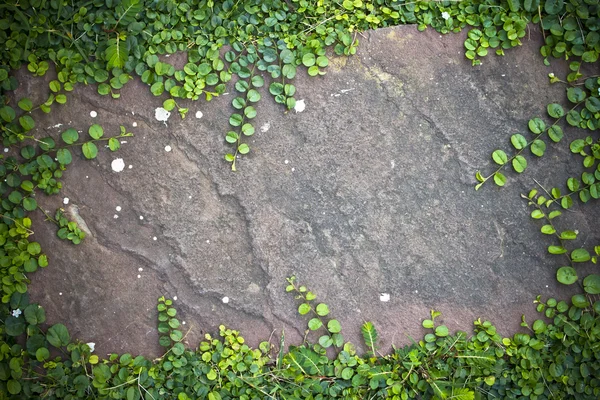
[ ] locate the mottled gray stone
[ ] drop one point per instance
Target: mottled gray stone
(369, 190)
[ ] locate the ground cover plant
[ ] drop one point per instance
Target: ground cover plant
(108, 43)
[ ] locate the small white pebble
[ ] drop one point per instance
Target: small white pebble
(183, 323)
(207, 241)
(293, 169)
(60, 293)
(6, 149)
(134, 124)
(115, 216)
(287, 161)
(130, 166)
(225, 299)
(139, 276)
(300, 106)
(174, 298)
(87, 177)
(168, 148)
(118, 208)
(189, 197)
(154, 238)
(140, 269)
(141, 217)
(199, 114)
(66, 200)
(384, 297)
(93, 114)
(123, 141)
(117, 165)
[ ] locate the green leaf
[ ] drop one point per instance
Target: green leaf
(70, 136)
(591, 284)
(29, 204)
(369, 334)
(250, 112)
(553, 7)
(238, 103)
(499, 179)
(114, 144)
(34, 314)
(580, 255)
(248, 130)
(555, 133)
(90, 151)
(169, 104)
(536, 125)
(555, 110)
(13, 386)
(304, 309)
(27, 122)
(538, 147)
(58, 335)
(548, 230)
(96, 131)
(519, 164)
(322, 309)
(518, 141)
(580, 301)
(54, 86)
(556, 250)
(235, 119)
(253, 96)
(314, 324)
(64, 156)
(308, 59)
(257, 81)
(334, 326)
(7, 114)
(575, 95)
(25, 104)
(42, 354)
(566, 275)
(243, 148)
(499, 157)
(593, 104)
(441, 331)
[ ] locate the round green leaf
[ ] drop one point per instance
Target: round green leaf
(555, 133)
(518, 141)
(555, 110)
(114, 144)
(580, 301)
(42, 354)
(70, 136)
(499, 157)
(519, 164)
(96, 131)
(536, 125)
(243, 148)
(566, 275)
(308, 59)
(13, 386)
(253, 96)
(538, 147)
(64, 156)
(314, 324)
(499, 179)
(322, 309)
(591, 284)
(29, 204)
(25, 104)
(334, 326)
(441, 331)
(250, 112)
(90, 150)
(248, 129)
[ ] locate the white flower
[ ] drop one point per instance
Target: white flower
(92, 346)
(445, 15)
(118, 165)
(16, 313)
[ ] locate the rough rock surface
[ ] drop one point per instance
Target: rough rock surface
(369, 190)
